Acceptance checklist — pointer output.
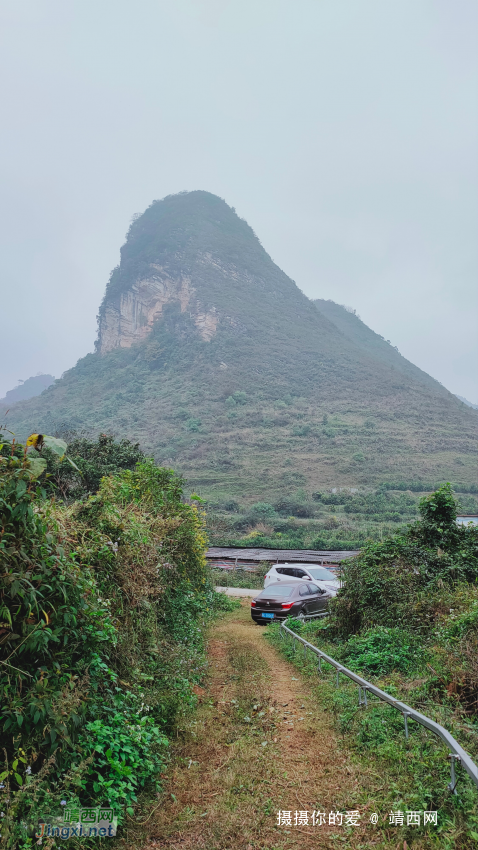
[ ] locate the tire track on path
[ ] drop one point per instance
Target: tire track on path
(257, 744)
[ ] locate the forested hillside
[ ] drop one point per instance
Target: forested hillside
(212, 358)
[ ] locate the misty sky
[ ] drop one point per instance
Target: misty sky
(344, 131)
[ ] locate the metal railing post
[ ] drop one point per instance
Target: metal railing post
(405, 716)
(452, 786)
(362, 696)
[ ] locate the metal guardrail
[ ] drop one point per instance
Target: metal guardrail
(457, 753)
(307, 617)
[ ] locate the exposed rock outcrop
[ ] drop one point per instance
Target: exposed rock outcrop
(129, 317)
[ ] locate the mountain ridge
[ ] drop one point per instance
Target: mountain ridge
(214, 359)
(30, 388)
(468, 403)
(352, 326)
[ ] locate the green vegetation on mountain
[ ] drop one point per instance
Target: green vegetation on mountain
(214, 360)
(103, 602)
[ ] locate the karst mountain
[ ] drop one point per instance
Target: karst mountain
(215, 361)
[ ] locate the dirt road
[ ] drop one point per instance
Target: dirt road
(257, 745)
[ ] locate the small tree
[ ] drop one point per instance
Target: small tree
(94, 460)
(438, 518)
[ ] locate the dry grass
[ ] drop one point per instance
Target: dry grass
(230, 775)
(262, 741)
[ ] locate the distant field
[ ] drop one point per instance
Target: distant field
(321, 520)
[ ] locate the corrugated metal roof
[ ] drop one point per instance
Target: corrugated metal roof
(306, 556)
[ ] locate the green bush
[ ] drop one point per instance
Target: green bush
(193, 424)
(53, 622)
(262, 512)
(103, 604)
(293, 506)
(301, 430)
(382, 585)
(128, 749)
(231, 505)
(380, 505)
(240, 397)
(382, 650)
(332, 498)
(94, 459)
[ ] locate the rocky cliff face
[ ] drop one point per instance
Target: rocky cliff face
(191, 251)
(128, 318)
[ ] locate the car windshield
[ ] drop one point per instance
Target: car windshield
(275, 590)
(322, 575)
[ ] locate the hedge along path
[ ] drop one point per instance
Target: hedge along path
(257, 744)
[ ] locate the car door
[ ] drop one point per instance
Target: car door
(305, 598)
(318, 599)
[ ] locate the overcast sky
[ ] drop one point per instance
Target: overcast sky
(344, 131)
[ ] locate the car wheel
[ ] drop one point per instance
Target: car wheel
(301, 615)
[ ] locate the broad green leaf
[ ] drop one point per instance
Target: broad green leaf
(21, 487)
(57, 446)
(36, 465)
(72, 463)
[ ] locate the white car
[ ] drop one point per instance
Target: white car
(303, 572)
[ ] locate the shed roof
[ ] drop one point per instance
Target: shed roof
(306, 556)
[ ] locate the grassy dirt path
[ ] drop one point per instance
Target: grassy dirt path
(257, 744)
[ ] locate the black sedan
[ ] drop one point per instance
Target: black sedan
(297, 599)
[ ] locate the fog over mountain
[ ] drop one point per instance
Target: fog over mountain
(344, 134)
